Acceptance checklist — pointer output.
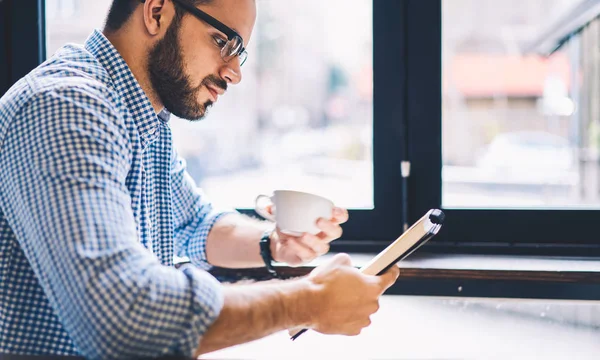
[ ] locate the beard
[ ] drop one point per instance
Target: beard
(173, 87)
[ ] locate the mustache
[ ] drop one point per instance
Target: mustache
(214, 81)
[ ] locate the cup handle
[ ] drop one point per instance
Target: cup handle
(263, 211)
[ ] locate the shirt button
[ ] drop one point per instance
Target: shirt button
(151, 131)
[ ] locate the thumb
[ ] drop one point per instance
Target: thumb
(342, 259)
(389, 277)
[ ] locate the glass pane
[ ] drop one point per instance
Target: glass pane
(302, 118)
(516, 133)
(72, 21)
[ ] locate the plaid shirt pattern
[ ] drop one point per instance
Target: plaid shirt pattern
(94, 204)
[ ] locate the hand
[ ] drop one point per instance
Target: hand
(299, 250)
(345, 298)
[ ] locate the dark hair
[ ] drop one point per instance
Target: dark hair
(121, 10)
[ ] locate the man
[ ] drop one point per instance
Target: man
(94, 202)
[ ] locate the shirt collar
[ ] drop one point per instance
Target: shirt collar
(147, 121)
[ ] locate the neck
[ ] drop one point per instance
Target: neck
(136, 56)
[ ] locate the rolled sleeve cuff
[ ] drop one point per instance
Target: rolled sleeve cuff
(207, 302)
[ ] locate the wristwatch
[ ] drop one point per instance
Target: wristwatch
(265, 251)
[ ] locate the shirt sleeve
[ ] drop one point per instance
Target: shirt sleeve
(194, 215)
(64, 163)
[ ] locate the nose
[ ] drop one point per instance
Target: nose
(231, 71)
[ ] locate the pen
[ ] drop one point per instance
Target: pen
(295, 336)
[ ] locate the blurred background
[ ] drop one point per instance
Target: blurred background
(517, 128)
(517, 131)
(302, 118)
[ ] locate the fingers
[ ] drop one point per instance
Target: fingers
(340, 215)
(315, 243)
(388, 278)
(302, 251)
(330, 230)
(357, 327)
(294, 331)
(342, 259)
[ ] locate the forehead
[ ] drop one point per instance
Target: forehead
(239, 15)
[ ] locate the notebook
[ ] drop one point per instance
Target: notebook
(417, 235)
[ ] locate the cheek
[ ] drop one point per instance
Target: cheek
(200, 58)
(199, 67)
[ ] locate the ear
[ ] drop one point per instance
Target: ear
(158, 15)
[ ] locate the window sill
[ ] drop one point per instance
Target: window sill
(566, 278)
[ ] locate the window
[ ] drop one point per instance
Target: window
(305, 117)
(302, 118)
(72, 21)
(514, 133)
(511, 159)
(515, 164)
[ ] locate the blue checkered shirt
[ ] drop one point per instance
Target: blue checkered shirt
(94, 203)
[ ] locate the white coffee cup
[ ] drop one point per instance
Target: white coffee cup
(295, 212)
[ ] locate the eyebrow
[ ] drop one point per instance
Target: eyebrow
(232, 28)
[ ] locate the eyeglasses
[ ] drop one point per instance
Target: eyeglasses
(234, 45)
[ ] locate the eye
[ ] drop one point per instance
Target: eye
(220, 42)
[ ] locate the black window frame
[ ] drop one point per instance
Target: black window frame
(22, 39)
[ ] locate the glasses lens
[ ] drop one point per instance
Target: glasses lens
(231, 48)
(243, 57)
